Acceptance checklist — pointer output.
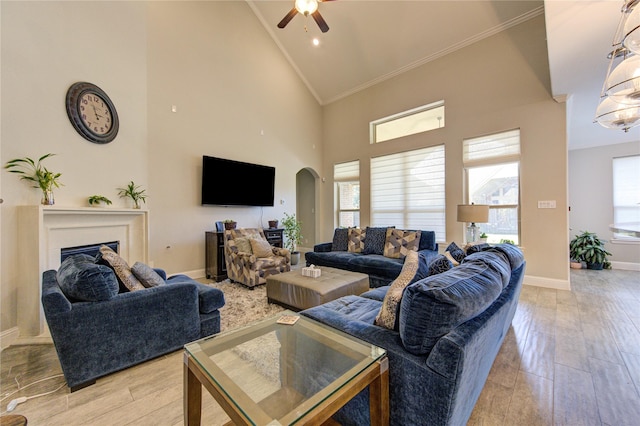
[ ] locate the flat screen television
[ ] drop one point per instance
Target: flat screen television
(221, 183)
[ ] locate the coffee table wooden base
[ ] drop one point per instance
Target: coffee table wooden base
(376, 377)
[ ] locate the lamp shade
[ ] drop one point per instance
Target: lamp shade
(474, 213)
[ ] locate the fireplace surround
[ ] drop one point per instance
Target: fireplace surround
(45, 230)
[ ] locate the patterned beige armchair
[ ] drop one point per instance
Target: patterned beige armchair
(250, 259)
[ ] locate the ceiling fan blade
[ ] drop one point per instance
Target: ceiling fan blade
(288, 17)
(320, 21)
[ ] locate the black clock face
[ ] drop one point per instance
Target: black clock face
(92, 113)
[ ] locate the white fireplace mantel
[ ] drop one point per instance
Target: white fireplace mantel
(44, 230)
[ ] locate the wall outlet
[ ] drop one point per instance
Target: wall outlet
(549, 204)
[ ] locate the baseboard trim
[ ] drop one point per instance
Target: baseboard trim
(547, 282)
(627, 266)
(8, 337)
(195, 274)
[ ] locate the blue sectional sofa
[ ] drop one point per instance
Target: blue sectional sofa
(371, 260)
(450, 326)
(118, 329)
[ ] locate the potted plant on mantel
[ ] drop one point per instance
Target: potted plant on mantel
(35, 172)
(587, 247)
(292, 231)
(97, 200)
(134, 192)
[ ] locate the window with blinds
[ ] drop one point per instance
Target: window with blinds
(626, 194)
(347, 195)
(408, 191)
(492, 170)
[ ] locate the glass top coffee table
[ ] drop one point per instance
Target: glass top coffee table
(279, 374)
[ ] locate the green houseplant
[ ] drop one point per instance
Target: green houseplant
(134, 192)
(38, 174)
(292, 231)
(587, 247)
(96, 200)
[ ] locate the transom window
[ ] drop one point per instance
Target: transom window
(417, 120)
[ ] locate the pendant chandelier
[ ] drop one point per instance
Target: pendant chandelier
(619, 106)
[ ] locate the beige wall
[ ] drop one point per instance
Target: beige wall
(498, 84)
(591, 198)
(236, 97)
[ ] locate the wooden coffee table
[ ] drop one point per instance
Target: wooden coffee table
(297, 292)
(268, 374)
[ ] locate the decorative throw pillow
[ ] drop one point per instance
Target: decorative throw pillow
(340, 239)
(400, 242)
(146, 275)
(456, 252)
(439, 264)
(414, 269)
(243, 245)
(80, 278)
(128, 281)
(451, 259)
(356, 240)
(261, 248)
(374, 242)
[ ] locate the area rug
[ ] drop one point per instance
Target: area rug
(244, 306)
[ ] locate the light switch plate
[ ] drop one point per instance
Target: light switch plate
(549, 204)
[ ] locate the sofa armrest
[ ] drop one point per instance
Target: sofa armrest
(161, 272)
(209, 298)
(322, 247)
(53, 299)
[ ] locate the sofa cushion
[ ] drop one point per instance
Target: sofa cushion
(80, 278)
(400, 242)
(414, 269)
(146, 275)
(340, 239)
(335, 259)
(356, 240)
(440, 264)
(427, 240)
(475, 248)
(260, 247)
(375, 264)
(128, 281)
(435, 305)
(375, 240)
(376, 293)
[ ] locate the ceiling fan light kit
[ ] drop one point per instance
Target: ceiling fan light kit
(306, 8)
(619, 106)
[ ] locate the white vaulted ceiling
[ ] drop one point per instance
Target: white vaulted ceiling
(370, 41)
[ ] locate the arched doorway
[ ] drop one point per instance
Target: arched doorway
(306, 206)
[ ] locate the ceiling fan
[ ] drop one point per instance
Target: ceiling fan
(306, 7)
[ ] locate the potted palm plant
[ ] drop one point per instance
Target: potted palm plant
(38, 174)
(588, 248)
(134, 192)
(292, 231)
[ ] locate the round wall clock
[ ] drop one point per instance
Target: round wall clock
(92, 113)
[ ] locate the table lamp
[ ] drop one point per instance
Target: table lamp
(472, 213)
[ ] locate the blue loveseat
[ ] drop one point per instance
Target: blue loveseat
(371, 260)
(119, 329)
(450, 327)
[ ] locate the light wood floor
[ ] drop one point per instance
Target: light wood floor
(570, 358)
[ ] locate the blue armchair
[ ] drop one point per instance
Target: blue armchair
(95, 338)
